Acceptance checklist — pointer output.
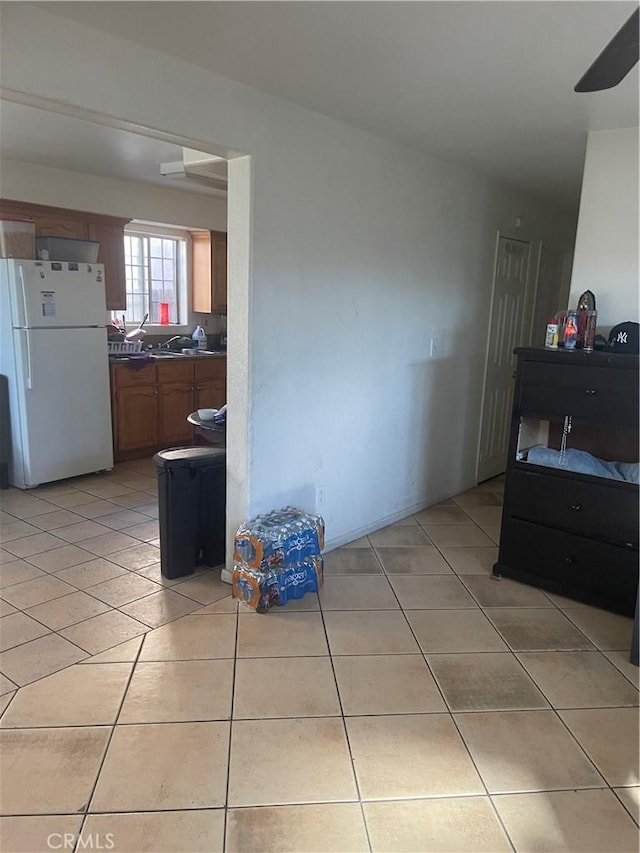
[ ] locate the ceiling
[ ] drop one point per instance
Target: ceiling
(487, 84)
(52, 139)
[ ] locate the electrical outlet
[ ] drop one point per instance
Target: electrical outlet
(321, 497)
(434, 348)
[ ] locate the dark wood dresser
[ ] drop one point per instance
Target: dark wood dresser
(571, 533)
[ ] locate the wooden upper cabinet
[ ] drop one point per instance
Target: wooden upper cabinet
(110, 234)
(81, 225)
(201, 300)
(57, 225)
(209, 272)
(219, 271)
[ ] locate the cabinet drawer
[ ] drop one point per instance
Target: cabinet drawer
(570, 564)
(211, 368)
(128, 377)
(176, 371)
(598, 394)
(598, 510)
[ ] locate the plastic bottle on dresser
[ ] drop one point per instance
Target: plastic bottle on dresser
(199, 338)
(551, 339)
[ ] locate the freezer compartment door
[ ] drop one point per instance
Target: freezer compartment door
(62, 379)
(44, 297)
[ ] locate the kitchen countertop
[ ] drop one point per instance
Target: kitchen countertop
(165, 355)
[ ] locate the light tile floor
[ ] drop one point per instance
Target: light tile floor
(416, 704)
(80, 571)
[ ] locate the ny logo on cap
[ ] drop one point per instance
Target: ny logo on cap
(622, 338)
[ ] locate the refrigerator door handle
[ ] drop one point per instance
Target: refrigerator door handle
(23, 291)
(28, 381)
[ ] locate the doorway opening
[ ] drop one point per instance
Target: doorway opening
(142, 138)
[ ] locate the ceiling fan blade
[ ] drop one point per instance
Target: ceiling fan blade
(615, 61)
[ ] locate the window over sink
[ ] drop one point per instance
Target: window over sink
(156, 272)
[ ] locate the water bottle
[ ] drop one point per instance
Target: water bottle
(199, 338)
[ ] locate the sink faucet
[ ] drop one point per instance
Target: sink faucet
(165, 345)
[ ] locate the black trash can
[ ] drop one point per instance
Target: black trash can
(191, 504)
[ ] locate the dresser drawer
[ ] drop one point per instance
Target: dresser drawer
(597, 509)
(570, 564)
(598, 394)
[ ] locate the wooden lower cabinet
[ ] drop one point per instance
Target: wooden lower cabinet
(174, 401)
(210, 395)
(150, 405)
(136, 417)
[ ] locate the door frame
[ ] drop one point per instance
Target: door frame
(240, 284)
(534, 247)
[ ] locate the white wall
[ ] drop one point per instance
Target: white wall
(130, 199)
(359, 250)
(133, 199)
(606, 252)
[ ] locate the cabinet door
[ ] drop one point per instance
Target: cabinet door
(210, 395)
(176, 402)
(201, 268)
(110, 235)
(136, 417)
(59, 225)
(219, 271)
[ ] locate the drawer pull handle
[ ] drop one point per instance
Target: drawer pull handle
(569, 561)
(576, 507)
(591, 392)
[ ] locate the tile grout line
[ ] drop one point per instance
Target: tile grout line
(551, 707)
(344, 725)
(565, 726)
(225, 805)
(624, 805)
(442, 713)
(450, 714)
(556, 711)
(381, 800)
(85, 811)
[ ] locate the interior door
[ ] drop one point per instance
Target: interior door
(506, 331)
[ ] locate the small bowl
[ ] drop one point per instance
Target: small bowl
(207, 414)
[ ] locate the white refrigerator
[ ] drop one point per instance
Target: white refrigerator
(53, 349)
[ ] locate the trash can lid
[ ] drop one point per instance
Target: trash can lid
(190, 457)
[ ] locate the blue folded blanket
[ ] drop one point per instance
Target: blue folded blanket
(583, 463)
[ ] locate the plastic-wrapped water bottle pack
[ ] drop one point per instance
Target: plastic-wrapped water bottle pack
(278, 557)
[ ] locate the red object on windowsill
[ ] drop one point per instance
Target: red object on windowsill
(164, 313)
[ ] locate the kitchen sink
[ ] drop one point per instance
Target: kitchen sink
(163, 353)
(167, 354)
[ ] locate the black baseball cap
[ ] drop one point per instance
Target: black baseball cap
(625, 338)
